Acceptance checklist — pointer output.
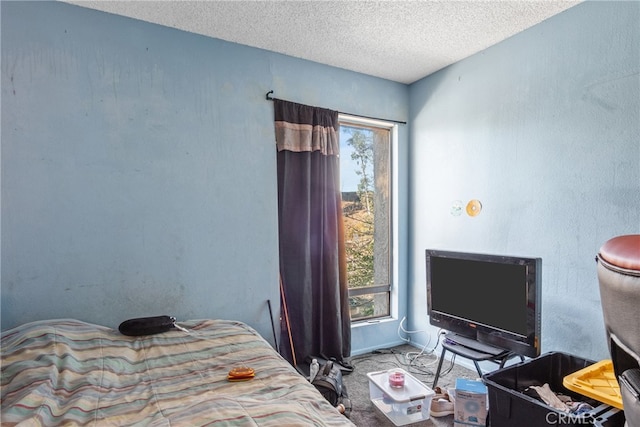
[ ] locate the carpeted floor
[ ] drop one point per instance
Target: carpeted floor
(423, 368)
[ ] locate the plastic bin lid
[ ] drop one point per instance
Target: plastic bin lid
(597, 381)
(412, 390)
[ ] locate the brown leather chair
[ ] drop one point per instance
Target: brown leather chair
(619, 280)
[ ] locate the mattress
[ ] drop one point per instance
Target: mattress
(69, 372)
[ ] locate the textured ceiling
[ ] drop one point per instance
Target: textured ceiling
(401, 41)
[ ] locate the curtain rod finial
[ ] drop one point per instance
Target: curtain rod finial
(268, 97)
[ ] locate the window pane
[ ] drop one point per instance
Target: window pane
(369, 306)
(365, 183)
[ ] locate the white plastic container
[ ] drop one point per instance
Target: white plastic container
(402, 405)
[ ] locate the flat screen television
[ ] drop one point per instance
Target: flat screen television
(493, 299)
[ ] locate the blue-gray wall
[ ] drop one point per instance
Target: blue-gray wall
(139, 168)
(543, 129)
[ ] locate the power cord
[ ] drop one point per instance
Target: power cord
(401, 328)
(413, 360)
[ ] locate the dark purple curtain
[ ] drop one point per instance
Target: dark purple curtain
(312, 256)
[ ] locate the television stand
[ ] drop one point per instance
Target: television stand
(473, 350)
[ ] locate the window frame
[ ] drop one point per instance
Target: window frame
(348, 120)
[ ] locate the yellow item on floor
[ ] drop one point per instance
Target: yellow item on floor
(597, 381)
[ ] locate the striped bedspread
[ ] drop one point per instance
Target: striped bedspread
(67, 372)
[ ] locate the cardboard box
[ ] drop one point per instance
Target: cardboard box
(470, 403)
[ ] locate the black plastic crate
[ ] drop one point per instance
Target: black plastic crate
(509, 406)
(612, 418)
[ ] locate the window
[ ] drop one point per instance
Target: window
(365, 175)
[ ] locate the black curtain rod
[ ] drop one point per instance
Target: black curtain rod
(270, 98)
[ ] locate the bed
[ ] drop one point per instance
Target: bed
(68, 372)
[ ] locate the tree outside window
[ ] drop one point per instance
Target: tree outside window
(365, 179)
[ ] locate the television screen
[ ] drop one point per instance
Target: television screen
(493, 299)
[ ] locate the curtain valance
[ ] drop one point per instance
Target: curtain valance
(302, 128)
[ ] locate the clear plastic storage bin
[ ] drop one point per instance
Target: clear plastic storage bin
(402, 405)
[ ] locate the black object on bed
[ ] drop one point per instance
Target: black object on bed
(147, 325)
